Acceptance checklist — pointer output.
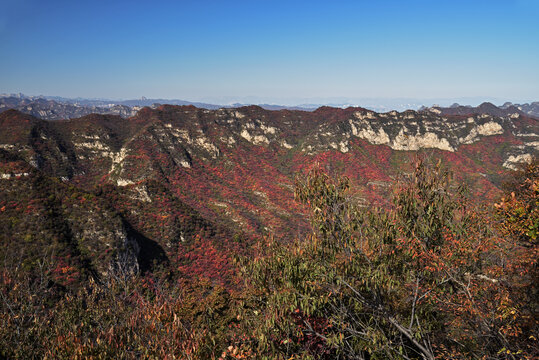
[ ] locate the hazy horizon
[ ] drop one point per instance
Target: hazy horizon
(371, 103)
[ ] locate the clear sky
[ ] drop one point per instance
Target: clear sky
(270, 50)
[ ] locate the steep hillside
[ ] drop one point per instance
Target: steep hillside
(42, 218)
(185, 184)
(109, 232)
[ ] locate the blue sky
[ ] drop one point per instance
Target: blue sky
(278, 51)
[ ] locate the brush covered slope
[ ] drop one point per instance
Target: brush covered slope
(186, 189)
(101, 231)
(167, 171)
(238, 164)
(146, 236)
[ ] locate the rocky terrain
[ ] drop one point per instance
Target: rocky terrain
(192, 187)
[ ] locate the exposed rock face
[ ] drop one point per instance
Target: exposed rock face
(420, 141)
(98, 234)
(489, 128)
(186, 133)
(125, 263)
(412, 131)
(43, 219)
(366, 132)
(513, 161)
(215, 160)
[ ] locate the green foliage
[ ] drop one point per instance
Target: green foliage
(414, 281)
(518, 222)
(329, 208)
(426, 206)
(519, 209)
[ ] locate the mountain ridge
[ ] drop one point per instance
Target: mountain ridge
(234, 169)
(506, 109)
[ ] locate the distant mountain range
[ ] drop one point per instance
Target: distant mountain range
(57, 108)
(506, 109)
(531, 109)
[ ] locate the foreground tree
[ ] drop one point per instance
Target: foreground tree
(518, 215)
(424, 279)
